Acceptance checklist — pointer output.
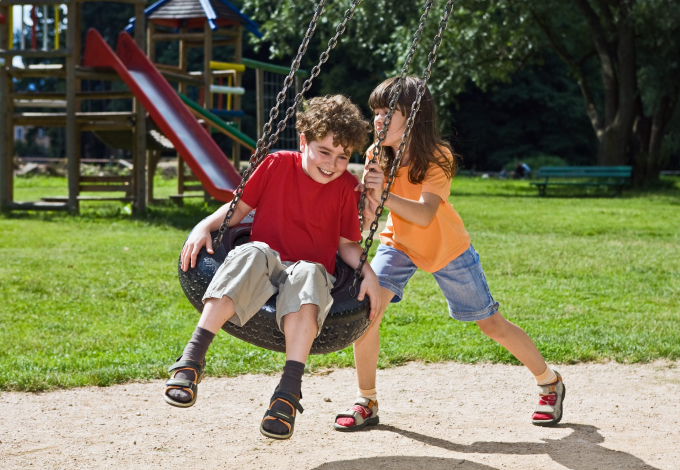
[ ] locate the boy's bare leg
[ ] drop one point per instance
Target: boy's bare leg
(300, 329)
(216, 312)
(515, 340)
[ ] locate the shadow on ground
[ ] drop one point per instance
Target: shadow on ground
(403, 463)
(580, 450)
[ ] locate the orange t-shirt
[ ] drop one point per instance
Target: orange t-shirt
(433, 246)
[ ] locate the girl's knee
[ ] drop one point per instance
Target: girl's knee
(495, 326)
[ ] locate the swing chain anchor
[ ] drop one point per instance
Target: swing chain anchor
(432, 57)
(263, 146)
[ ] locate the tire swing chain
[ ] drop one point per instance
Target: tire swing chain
(402, 145)
(388, 118)
(263, 145)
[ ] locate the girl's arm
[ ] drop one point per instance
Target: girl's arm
(200, 235)
(350, 252)
(417, 212)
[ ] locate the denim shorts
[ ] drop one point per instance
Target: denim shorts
(462, 282)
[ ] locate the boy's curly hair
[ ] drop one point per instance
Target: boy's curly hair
(336, 114)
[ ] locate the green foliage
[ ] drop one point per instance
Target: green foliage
(539, 111)
(487, 43)
(94, 299)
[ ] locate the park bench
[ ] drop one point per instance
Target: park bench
(616, 176)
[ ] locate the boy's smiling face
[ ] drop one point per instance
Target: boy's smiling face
(321, 160)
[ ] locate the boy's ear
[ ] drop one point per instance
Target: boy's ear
(303, 142)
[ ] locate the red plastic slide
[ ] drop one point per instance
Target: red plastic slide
(198, 149)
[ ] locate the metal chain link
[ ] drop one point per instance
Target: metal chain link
(396, 92)
(432, 57)
(263, 145)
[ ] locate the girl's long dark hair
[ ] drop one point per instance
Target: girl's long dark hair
(425, 147)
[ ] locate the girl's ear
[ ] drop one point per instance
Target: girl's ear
(303, 142)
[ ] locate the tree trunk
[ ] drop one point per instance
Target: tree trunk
(658, 121)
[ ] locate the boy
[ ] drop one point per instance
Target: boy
(306, 212)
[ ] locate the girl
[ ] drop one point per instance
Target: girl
(424, 231)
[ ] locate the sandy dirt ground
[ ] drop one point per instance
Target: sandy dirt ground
(434, 417)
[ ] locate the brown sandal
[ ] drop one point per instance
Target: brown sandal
(289, 420)
(184, 384)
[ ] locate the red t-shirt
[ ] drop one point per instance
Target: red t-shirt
(301, 219)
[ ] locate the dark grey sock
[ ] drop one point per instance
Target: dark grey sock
(198, 345)
(195, 350)
(291, 382)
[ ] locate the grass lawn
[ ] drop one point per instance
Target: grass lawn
(94, 299)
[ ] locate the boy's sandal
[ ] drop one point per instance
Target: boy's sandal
(289, 420)
(549, 409)
(190, 386)
(364, 412)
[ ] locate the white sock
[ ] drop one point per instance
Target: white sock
(370, 394)
(547, 377)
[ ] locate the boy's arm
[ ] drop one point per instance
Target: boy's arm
(350, 252)
(200, 235)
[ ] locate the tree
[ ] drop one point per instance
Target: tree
(633, 45)
(637, 49)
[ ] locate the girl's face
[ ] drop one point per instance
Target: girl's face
(397, 126)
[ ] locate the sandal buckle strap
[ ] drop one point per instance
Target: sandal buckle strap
(181, 383)
(187, 363)
(280, 415)
(289, 397)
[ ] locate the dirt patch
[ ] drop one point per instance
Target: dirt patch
(434, 417)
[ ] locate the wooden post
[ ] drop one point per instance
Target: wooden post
(183, 88)
(139, 151)
(236, 100)
(72, 140)
(152, 156)
(6, 128)
(261, 112)
(208, 76)
(207, 72)
(22, 35)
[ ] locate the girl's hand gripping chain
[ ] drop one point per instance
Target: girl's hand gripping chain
(374, 183)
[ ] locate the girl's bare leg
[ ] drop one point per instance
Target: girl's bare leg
(367, 348)
(514, 339)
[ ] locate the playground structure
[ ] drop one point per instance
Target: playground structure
(186, 124)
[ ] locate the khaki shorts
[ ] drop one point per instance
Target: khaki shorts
(253, 272)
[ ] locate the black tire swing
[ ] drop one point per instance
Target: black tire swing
(348, 317)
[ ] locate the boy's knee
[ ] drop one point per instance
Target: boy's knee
(306, 270)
